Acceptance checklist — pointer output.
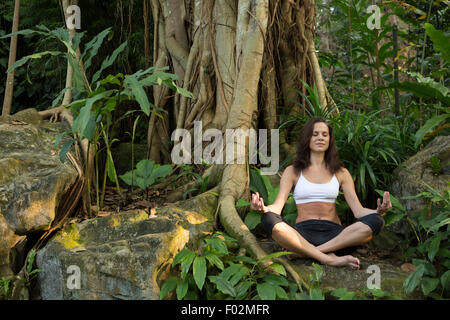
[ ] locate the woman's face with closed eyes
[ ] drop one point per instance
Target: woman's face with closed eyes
(320, 139)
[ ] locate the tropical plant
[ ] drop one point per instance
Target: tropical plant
(5, 289)
(431, 254)
(146, 174)
(430, 89)
(366, 145)
(219, 274)
(98, 98)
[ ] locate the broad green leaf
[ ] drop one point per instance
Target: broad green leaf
(440, 41)
(428, 126)
(91, 48)
(316, 294)
(244, 259)
(413, 280)
(182, 288)
(199, 269)
(242, 289)
(58, 139)
(23, 33)
(89, 130)
(391, 217)
(265, 291)
(180, 256)
(108, 61)
(127, 178)
(281, 293)
(318, 272)
(274, 279)
(139, 93)
(257, 185)
(65, 148)
(222, 235)
(243, 271)
(215, 260)
(434, 246)
(278, 268)
(110, 167)
(421, 90)
(217, 244)
(242, 203)
(230, 271)
(252, 219)
(168, 286)
(445, 280)
(162, 171)
(429, 284)
(223, 285)
(110, 79)
(429, 269)
(343, 294)
(184, 92)
(145, 167)
(348, 296)
(186, 264)
(39, 55)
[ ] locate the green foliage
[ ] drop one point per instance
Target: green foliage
(29, 273)
(98, 99)
(431, 254)
(146, 174)
(5, 289)
(217, 273)
(370, 147)
(441, 42)
(436, 165)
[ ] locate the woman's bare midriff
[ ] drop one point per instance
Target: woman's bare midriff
(317, 210)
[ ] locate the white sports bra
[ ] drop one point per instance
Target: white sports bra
(306, 191)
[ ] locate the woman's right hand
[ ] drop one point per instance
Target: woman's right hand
(258, 203)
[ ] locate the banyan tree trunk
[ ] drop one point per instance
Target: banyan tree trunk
(244, 61)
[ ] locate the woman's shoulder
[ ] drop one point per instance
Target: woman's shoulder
(342, 173)
(291, 171)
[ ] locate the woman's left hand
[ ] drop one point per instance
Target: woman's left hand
(385, 205)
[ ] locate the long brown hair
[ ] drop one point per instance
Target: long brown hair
(302, 159)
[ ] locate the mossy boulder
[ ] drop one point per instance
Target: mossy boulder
(33, 180)
(411, 174)
(122, 256)
(391, 275)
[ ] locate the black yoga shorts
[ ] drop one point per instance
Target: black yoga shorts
(317, 231)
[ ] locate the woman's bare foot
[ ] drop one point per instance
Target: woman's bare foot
(343, 261)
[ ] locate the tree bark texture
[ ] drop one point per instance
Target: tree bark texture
(244, 61)
(9, 90)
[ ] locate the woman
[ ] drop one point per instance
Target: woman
(316, 175)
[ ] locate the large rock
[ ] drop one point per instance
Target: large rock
(32, 180)
(391, 276)
(411, 174)
(122, 256)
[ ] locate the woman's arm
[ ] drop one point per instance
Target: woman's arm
(348, 187)
(286, 182)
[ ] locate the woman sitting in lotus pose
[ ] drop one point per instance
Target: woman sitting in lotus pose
(316, 175)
